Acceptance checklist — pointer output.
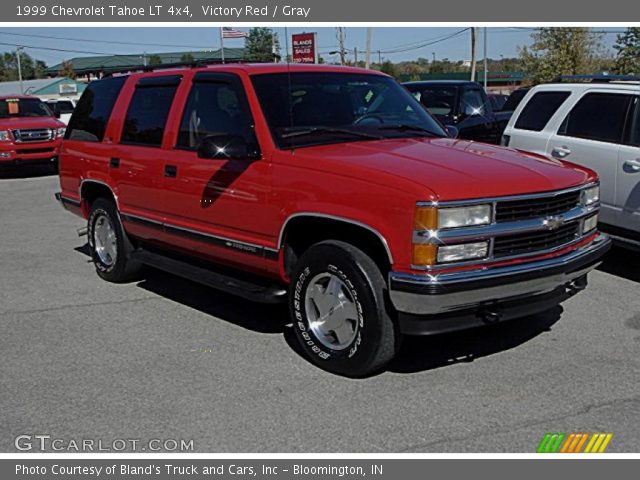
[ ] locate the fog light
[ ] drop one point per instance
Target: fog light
(464, 251)
(590, 223)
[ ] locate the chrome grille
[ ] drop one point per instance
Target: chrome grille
(531, 242)
(33, 135)
(513, 210)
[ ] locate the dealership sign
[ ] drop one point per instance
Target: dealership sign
(304, 48)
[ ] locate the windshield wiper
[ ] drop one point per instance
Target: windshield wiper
(407, 127)
(323, 130)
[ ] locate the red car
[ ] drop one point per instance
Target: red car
(328, 188)
(29, 131)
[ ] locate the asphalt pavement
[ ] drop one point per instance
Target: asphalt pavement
(165, 358)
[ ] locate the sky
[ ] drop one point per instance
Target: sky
(396, 43)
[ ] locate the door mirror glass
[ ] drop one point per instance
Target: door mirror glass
(227, 147)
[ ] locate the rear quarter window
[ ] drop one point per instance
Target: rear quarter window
(89, 120)
(539, 109)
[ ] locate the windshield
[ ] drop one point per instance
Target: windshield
(437, 99)
(305, 109)
(23, 107)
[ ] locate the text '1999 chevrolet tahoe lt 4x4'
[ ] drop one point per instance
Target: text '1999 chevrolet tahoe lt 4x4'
(328, 188)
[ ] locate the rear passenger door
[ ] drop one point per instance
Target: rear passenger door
(590, 135)
(628, 188)
(139, 156)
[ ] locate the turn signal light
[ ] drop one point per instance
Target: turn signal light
(424, 254)
(425, 218)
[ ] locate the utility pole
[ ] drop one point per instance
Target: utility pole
(473, 54)
(340, 32)
(144, 58)
(433, 54)
(485, 59)
(379, 58)
(18, 50)
(355, 56)
(367, 62)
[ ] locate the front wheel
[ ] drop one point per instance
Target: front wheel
(338, 309)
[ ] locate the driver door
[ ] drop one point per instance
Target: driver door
(217, 207)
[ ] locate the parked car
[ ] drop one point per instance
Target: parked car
(328, 188)
(515, 98)
(62, 108)
(29, 131)
(463, 105)
(497, 101)
(596, 125)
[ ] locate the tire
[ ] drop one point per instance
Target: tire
(110, 247)
(337, 305)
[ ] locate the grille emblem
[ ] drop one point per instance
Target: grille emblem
(553, 223)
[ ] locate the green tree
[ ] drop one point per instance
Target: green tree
(154, 61)
(561, 51)
(187, 58)
(30, 68)
(628, 52)
(66, 70)
(389, 68)
(261, 44)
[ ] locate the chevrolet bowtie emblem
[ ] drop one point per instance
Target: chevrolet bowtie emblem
(553, 223)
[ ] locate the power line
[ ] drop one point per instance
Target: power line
(426, 44)
(115, 42)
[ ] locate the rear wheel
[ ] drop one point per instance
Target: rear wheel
(337, 303)
(110, 247)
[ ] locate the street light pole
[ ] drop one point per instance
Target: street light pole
(368, 55)
(18, 50)
(485, 59)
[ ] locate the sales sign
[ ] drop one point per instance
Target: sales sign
(304, 48)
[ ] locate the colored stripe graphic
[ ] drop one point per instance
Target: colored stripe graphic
(555, 442)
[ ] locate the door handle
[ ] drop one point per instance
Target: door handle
(633, 165)
(170, 171)
(560, 152)
(114, 162)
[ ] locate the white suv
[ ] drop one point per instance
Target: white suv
(596, 125)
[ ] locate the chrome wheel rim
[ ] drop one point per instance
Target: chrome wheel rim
(104, 240)
(331, 311)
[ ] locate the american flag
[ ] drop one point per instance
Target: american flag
(228, 32)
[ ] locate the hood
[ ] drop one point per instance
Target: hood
(452, 169)
(29, 122)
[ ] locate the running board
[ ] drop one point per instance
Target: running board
(220, 281)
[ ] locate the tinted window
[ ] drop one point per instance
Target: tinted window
(471, 102)
(540, 108)
(89, 119)
(23, 107)
(439, 100)
(514, 99)
(148, 111)
(319, 108)
(597, 116)
(214, 108)
(634, 128)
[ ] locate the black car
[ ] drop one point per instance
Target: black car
(462, 104)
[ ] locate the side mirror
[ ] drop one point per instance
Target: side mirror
(452, 131)
(56, 113)
(227, 147)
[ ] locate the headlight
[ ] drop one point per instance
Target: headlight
(464, 251)
(590, 223)
(590, 195)
(60, 132)
(4, 136)
(464, 216)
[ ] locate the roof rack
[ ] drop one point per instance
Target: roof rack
(602, 78)
(165, 66)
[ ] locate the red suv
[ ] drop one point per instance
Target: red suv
(29, 131)
(331, 189)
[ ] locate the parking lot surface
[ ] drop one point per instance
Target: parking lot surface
(167, 358)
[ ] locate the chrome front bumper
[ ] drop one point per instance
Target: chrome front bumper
(430, 294)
